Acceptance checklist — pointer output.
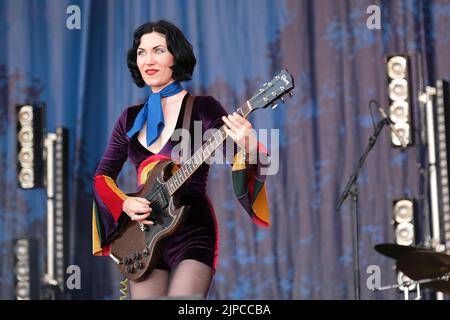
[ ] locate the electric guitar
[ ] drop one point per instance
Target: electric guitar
(135, 247)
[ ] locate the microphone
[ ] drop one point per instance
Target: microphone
(391, 125)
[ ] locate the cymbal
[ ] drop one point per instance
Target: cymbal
(394, 251)
(424, 264)
(440, 285)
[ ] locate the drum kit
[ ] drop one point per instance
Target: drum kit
(423, 267)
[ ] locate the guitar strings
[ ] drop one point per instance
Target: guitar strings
(211, 140)
(160, 187)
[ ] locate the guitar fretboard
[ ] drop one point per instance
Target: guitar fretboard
(202, 154)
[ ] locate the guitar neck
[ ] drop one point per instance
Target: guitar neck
(202, 154)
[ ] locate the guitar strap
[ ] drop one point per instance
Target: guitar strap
(188, 113)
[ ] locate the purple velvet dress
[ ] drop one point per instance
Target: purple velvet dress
(197, 237)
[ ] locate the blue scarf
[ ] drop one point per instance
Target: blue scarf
(152, 111)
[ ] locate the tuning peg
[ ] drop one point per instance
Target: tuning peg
(291, 94)
(282, 99)
(274, 105)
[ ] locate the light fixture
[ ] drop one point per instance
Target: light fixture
(398, 87)
(26, 270)
(403, 216)
(442, 141)
(29, 131)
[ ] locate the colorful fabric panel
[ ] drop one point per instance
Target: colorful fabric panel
(107, 208)
(249, 186)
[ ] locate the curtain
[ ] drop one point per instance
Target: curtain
(338, 65)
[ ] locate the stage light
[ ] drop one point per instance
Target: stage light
(404, 222)
(25, 135)
(30, 146)
(22, 270)
(399, 111)
(23, 290)
(442, 119)
(398, 87)
(398, 90)
(26, 157)
(403, 211)
(26, 270)
(61, 207)
(404, 130)
(397, 67)
(404, 234)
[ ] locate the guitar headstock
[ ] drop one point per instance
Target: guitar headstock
(273, 90)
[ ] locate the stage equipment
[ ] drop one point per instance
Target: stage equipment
(29, 129)
(57, 158)
(399, 88)
(26, 269)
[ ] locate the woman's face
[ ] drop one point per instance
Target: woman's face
(154, 61)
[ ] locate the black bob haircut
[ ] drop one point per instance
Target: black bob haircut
(177, 44)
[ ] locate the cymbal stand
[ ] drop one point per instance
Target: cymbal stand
(407, 283)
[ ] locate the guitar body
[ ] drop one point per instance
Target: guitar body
(137, 246)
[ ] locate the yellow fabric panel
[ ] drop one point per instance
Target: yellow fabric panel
(110, 182)
(146, 170)
(96, 248)
(239, 161)
(261, 206)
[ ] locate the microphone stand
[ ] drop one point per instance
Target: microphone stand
(352, 189)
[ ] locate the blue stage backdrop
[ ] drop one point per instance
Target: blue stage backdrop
(338, 65)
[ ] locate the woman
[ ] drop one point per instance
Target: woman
(160, 58)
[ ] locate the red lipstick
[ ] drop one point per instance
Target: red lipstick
(151, 72)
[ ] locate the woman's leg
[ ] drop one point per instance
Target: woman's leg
(155, 286)
(190, 277)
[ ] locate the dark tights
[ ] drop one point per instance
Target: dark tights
(189, 278)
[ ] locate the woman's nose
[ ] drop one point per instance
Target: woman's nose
(149, 59)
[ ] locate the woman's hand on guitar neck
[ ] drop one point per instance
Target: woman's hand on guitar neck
(241, 131)
(138, 209)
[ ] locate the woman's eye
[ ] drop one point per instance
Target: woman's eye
(140, 53)
(159, 50)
